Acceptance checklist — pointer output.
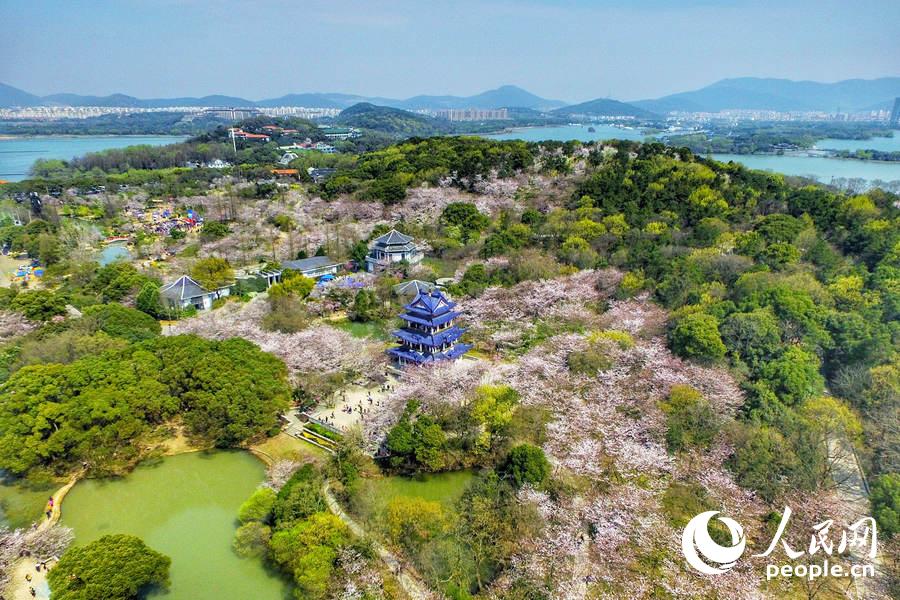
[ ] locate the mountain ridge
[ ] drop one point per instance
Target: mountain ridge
(769, 93)
(506, 96)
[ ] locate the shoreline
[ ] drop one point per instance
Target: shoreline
(19, 586)
(27, 136)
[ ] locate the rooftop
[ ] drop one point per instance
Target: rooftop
(307, 264)
(182, 289)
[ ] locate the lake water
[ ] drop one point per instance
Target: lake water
(185, 507)
(884, 144)
(566, 133)
(821, 168)
(19, 153)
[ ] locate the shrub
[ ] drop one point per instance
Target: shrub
(114, 567)
(526, 464)
(121, 321)
(589, 361)
(696, 335)
(622, 339)
(885, 497)
(258, 507)
(690, 420)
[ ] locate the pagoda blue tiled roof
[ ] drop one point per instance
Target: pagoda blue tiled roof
(430, 334)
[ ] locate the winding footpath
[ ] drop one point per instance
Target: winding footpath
(20, 587)
(412, 584)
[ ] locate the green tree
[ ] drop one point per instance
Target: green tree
(794, 376)
(121, 321)
(466, 217)
(526, 463)
(696, 335)
(308, 550)
(258, 507)
(114, 567)
(754, 336)
(690, 420)
(214, 230)
(297, 286)
(39, 305)
(299, 498)
(364, 307)
(148, 300)
(885, 498)
(252, 539)
(212, 273)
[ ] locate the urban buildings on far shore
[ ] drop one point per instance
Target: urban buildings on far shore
(467, 114)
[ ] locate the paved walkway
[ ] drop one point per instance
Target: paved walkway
(852, 488)
(356, 399)
(412, 584)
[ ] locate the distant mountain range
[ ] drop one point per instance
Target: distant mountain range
(781, 95)
(741, 93)
(507, 96)
(605, 107)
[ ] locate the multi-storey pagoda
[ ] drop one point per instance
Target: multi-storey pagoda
(429, 334)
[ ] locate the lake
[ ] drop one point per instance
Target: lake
(185, 507)
(884, 144)
(567, 133)
(17, 154)
(820, 168)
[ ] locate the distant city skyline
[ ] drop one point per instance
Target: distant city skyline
(571, 51)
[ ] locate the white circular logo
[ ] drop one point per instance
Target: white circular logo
(696, 542)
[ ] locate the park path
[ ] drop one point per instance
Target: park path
(412, 584)
(20, 587)
(853, 489)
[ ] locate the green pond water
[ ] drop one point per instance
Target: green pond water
(21, 503)
(185, 507)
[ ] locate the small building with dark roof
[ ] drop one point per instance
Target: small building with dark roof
(185, 293)
(412, 288)
(391, 248)
(314, 267)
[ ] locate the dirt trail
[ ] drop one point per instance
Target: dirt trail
(412, 584)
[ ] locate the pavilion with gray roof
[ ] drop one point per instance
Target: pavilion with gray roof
(391, 248)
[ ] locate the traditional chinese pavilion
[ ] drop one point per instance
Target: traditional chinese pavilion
(429, 334)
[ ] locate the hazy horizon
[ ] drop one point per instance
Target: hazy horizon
(571, 51)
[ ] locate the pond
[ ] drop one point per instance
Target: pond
(22, 503)
(185, 507)
(114, 252)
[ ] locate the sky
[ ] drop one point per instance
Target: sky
(573, 51)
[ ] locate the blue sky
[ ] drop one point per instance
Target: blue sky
(569, 50)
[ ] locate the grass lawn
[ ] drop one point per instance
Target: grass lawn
(285, 447)
(372, 330)
(442, 267)
(445, 488)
